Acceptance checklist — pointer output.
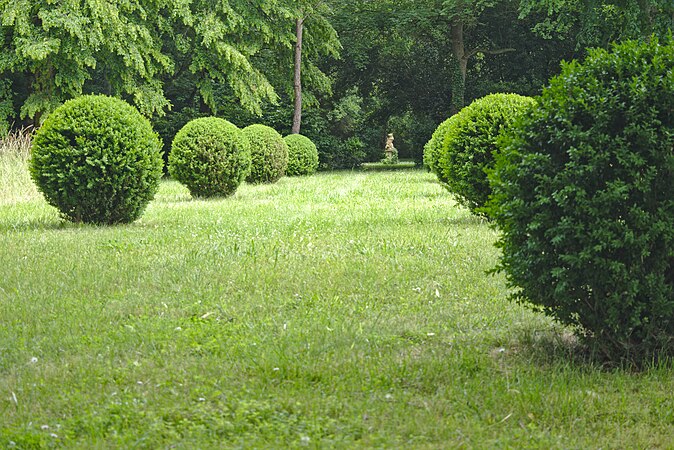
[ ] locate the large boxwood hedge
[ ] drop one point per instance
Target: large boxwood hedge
(585, 200)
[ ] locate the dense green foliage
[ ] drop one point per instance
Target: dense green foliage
(585, 200)
(271, 38)
(97, 160)
(405, 65)
(269, 154)
(599, 22)
(210, 156)
(156, 53)
(433, 149)
(397, 64)
(470, 142)
(302, 155)
(391, 158)
(337, 134)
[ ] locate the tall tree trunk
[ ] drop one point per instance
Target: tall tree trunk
(460, 68)
(297, 116)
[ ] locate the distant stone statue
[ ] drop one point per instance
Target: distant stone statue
(390, 152)
(389, 144)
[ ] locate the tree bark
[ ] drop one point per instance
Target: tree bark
(297, 116)
(460, 69)
(461, 57)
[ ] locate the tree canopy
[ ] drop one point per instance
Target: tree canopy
(367, 68)
(128, 48)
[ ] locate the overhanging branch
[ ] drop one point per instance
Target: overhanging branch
(498, 51)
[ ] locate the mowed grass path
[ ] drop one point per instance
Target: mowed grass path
(343, 310)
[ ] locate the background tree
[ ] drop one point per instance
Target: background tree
(130, 48)
(275, 59)
(596, 23)
(467, 23)
(405, 66)
(314, 11)
(398, 60)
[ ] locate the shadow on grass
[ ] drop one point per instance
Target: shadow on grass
(465, 220)
(34, 224)
(545, 347)
(562, 346)
(58, 224)
(182, 200)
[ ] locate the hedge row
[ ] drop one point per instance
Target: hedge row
(98, 160)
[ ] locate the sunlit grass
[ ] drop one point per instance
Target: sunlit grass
(342, 310)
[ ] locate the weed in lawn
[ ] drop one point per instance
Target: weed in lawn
(15, 183)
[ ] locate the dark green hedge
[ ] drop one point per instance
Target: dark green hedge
(97, 160)
(269, 154)
(302, 155)
(585, 201)
(470, 142)
(433, 149)
(210, 156)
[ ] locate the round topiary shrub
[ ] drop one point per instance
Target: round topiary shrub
(97, 160)
(584, 198)
(269, 154)
(302, 155)
(433, 148)
(470, 143)
(210, 156)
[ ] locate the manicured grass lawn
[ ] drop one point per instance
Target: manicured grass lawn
(343, 310)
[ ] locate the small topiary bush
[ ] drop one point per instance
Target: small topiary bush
(210, 156)
(302, 155)
(470, 142)
(269, 154)
(391, 158)
(97, 160)
(433, 149)
(584, 197)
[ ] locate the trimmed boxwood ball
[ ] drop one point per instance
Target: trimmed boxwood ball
(302, 155)
(433, 148)
(97, 160)
(210, 156)
(584, 198)
(470, 142)
(269, 154)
